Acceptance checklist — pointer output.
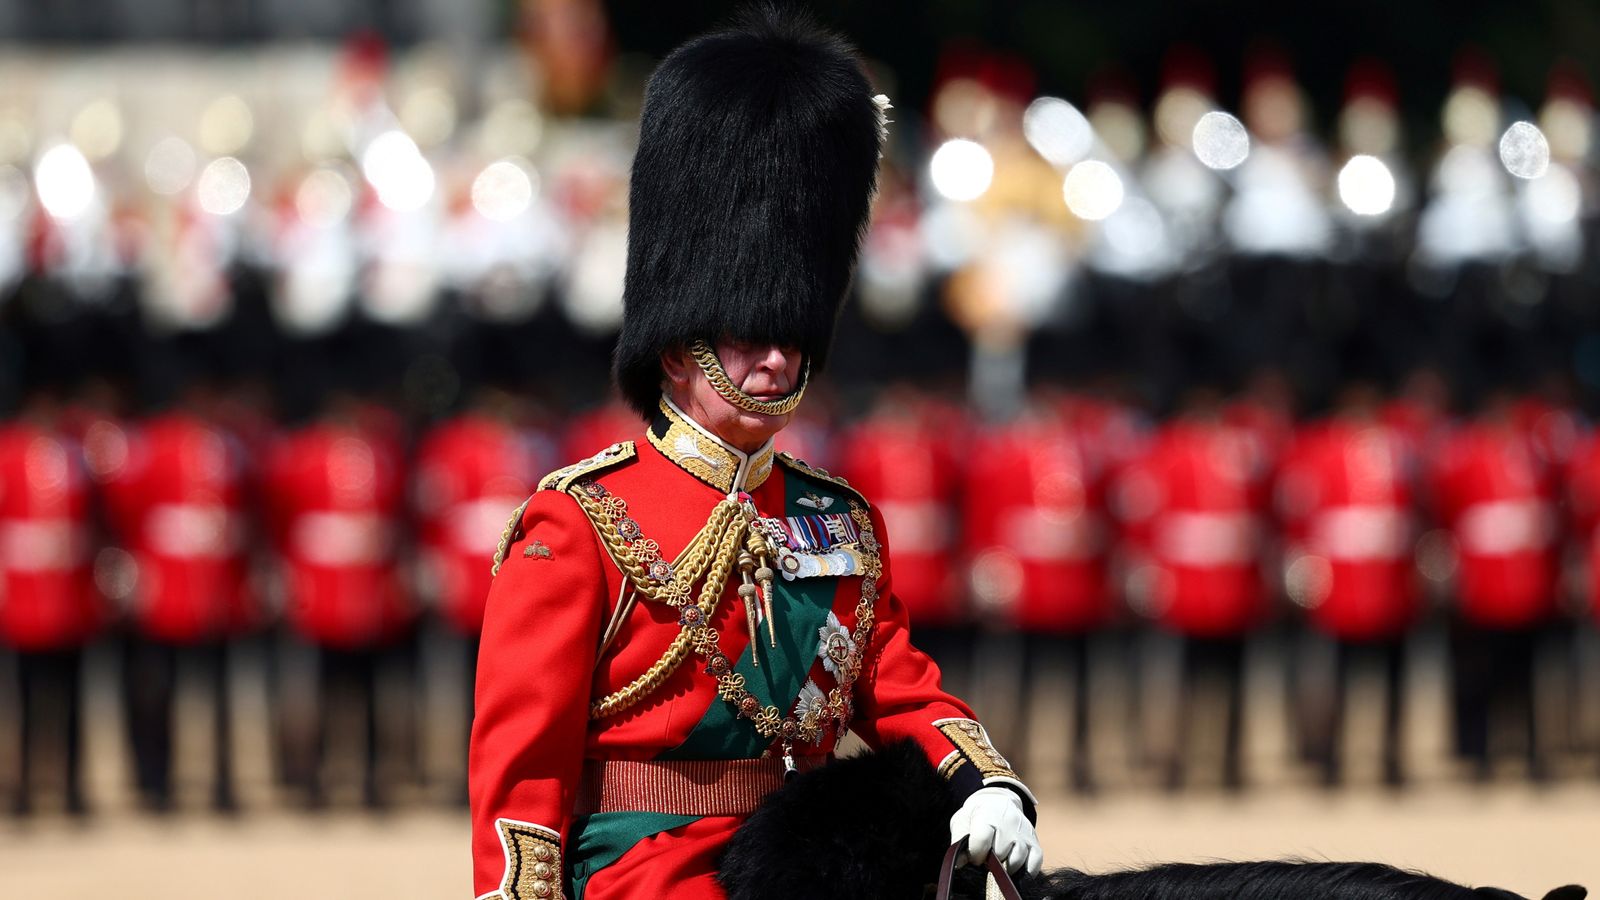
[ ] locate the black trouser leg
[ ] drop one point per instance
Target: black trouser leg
(1231, 665)
(214, 661)
(402, 721)
(287, 763)
(28, 676)
(50, 687)
(1514, 675)
(367, 677)
(1471, 659)
(12, 698)
(1190, 664)
(1081, 771)
(1330, 733)
(332, 676)
(1305, 695)
(1394, 666)
(1038, 650)
(348, 684)
(150, 677)
(1033, 648)
(70, 682)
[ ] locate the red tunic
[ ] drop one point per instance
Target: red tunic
(176, 490)
(48, 599)
(334, 497)
(1037, 528)
(1346, 500)
(470, 470)
(1497, 496)
(899, 459)
(1194, 506)
(539, 669)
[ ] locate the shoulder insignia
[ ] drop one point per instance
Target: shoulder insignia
(512, 532)
(562, 478)
(800, 466)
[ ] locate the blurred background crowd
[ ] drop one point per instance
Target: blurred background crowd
(1162, 350)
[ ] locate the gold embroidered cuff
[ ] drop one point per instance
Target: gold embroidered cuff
(533, 861)
(972, 742)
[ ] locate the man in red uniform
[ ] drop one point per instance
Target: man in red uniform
(679, 619)
(1346, 499)
(176, 489)
(1497, 496)
(335, 496)
(1039, 539)
(49, 608)
(1194, 511)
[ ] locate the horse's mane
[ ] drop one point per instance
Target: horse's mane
(1267, 880)
(873, 827)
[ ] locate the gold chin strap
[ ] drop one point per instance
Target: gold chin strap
(725, 388)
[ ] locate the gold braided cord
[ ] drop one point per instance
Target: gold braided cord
(710, 555)
(506, 536)
(724, 386)
(678, 650)
(690, 565)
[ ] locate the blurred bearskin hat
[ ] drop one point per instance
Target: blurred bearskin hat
(757, 160)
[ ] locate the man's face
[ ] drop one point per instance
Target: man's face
(764, 371)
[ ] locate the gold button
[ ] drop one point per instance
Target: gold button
(541, 853)
(540, 888)
(542, 870)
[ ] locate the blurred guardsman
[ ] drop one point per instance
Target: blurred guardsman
(680, 619)
(1038, 540)
(335, 496)
(1194, 509)
(469, 470)
(901, 457)
(1346, 497)
(49, 607)
(1497, 497)
(177, 493)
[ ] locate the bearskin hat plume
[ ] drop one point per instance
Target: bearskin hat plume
(757, 160)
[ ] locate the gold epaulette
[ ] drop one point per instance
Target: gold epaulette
(799, 465)
(562, 478)
(559, 480)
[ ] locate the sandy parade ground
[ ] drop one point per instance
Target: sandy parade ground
(1507, 833)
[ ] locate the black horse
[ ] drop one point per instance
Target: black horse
(876, 827)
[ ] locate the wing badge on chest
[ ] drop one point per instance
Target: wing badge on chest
(815, 546)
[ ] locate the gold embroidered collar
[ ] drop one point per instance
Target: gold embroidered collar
(707, 457)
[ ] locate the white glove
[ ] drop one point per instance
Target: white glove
(992, 821)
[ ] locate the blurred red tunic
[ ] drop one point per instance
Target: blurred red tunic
(1583, 495)
(48, 599)
(601, 426)
(471, 473)
(177, 496)
(1346, 499)
(334, 495)
(900, 459)
(1497, 496)
(1036, 527)
(1194, 507)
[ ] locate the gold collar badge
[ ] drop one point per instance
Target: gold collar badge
(704, 455)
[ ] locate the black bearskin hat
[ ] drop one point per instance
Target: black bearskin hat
(757, 159)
